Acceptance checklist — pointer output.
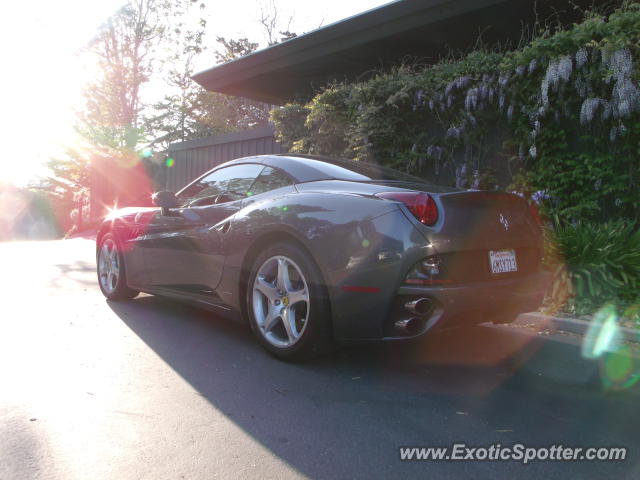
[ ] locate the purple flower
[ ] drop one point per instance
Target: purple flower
(540, 196)
(582, 57)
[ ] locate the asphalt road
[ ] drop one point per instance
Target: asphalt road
(152, 389)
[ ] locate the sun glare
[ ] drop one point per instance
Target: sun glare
(44, 76)
(43, 79)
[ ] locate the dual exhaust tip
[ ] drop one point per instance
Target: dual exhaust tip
(419, 308)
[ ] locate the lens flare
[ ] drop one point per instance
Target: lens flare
(619, 365)
(170, 162)
(25, 214)
(127, 159)
(619, 369)
(114, 186)
(146, 153)
(603, 334)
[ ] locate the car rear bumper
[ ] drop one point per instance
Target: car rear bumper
(497, 301)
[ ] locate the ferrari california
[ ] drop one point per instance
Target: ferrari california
(310, 250)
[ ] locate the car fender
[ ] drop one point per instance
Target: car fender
(361, 245)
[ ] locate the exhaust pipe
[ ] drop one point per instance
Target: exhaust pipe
(408, 326)
(421, 307)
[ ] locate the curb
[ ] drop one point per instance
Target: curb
(555, 352)
(570, 325)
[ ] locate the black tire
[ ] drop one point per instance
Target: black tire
(316, 336)
(119, 289)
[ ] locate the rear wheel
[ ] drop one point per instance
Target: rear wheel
(112, 276)
(287, 304)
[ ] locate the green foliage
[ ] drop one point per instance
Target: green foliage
(187, 111)
(602, 261)
(329, 121)
(562, 111)
(190, 112)
(232, 49)
(591, 184)
(294, 137)
(125, 50)
(135, 43)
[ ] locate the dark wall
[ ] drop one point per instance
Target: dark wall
(195, 157)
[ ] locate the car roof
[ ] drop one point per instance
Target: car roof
(310, 168)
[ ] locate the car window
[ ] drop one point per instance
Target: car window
(229, 184)
(269, 179)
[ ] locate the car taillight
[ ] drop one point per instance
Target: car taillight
(421, 204)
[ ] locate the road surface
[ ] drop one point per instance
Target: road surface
(150, 389)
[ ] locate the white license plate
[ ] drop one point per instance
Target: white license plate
(503, 261)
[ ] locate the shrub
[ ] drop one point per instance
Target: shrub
(594, 264)
(564, 109)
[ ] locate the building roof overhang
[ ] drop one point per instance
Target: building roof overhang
(422, 30)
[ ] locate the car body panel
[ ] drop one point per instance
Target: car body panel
(184, 247)
(332, 236)
(129, 224)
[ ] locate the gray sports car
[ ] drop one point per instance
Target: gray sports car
(310, 250)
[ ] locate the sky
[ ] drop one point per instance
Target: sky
(42, 76)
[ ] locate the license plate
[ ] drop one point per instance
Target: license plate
(503, 261)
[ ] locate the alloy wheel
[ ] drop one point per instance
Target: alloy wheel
(109, 266)
(281, 301)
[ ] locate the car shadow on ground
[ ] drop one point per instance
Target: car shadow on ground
(350, 411)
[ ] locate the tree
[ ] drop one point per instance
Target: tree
(175, 117)
(124, 49)
(67, 187)
(188, 111)
(270, 20)
(145, 40)
(236, 113)
(192, 112)
(127, 50)
(232, 49)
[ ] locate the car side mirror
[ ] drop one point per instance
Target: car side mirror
(165, 200)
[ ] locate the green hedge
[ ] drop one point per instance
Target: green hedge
(559, 115)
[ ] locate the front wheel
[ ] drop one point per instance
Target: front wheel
(287, 303)
(112, 276)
